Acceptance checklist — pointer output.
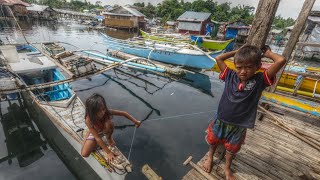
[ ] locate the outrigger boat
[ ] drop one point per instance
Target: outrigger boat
(201, 41)
(60, 103)
(182, 56)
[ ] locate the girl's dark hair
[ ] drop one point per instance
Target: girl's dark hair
(93, 105)
(251, 54)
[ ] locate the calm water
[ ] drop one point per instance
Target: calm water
(175, 111)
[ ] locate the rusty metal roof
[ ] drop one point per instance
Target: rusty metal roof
(14, 2)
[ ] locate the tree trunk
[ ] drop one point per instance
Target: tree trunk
(297, 29)
(262, 22)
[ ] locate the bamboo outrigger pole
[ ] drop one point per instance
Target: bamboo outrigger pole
(55, 83)
(297, 29)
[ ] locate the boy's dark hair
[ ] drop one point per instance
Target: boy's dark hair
(93, 105)
(248, 53)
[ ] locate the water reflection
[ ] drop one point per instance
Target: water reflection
(23, 150)
(23, 141)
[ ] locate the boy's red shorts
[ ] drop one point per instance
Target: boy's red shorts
(231, 136)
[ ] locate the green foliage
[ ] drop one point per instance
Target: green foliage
(172, 9)
(148, 10)
(139, 4)
(282, 23)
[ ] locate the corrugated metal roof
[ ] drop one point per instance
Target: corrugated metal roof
(133, 11)
(36, 7)
(14, 2)
(276, 31)
(171, 23)
(315, 19)
(194, 16)
(189, 26)
(129, 11)
(116, 14)
(290, 27)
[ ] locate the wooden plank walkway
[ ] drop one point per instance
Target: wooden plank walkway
(270, 152)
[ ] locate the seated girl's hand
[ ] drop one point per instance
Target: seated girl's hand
(138, 123)
(110, 156)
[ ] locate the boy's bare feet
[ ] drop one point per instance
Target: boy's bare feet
(208, 164)
(229, 174)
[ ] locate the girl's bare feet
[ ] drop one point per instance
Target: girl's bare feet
(229, 174)
(208, 164)
(111, 142)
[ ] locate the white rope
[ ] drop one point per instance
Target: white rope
(170, 117)
(156, 119)
(134, 134)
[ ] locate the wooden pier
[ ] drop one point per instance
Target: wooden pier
(270, 152)
(74, 15)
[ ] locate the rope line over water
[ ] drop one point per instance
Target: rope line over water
(156, 119)
(181, 115)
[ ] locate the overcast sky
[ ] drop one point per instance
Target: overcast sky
(287, 8)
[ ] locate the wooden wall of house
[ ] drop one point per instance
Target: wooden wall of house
(190, 32)
(119, 23)
(203, 27)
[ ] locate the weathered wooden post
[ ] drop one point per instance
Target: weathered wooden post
(262, 22)
(297, 29)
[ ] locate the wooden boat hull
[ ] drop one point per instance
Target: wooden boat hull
(299, 105)
(209, 44)
(288, 80)
(162, 55)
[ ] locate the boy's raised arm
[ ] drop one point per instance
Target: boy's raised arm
(279, 62)
(222, 57)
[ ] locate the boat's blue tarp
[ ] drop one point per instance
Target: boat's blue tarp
(208, 29)
(197, 39)
(59, 92)
(26, 47)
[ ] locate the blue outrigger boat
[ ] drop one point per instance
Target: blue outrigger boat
(178, 55)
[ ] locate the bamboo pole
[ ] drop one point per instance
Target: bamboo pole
(298, 28)
(282, 125)
(262, 22)
(51, 84)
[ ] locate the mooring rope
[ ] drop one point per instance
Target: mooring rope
(181, 115)
(156, 119)
(133, 136)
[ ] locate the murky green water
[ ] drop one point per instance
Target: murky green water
(175, 111)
